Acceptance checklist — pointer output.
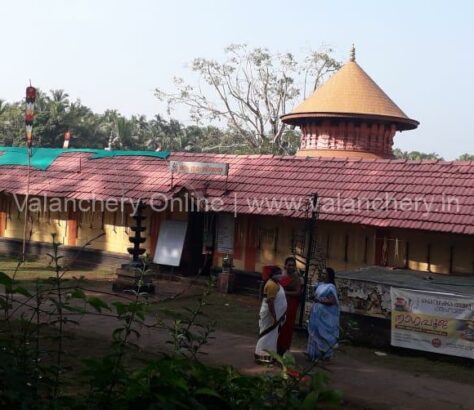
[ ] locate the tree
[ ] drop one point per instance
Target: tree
(466, 157)
(56, 115)
(415, 155)
(12, 125)
(85, 126)
(249, 92)
(165, 135)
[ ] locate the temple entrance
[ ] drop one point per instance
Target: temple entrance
(199, 244)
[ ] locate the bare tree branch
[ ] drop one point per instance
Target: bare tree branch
(251, 90)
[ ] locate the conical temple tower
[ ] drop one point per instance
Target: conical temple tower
(349, 116)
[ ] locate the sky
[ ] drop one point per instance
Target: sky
(114, 53)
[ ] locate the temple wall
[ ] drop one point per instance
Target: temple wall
(40, 227)
(107, 231)
(258, 240)
(99, 230)
(347, 246)
(435, 252)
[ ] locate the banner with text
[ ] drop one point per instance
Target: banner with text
(434, 322)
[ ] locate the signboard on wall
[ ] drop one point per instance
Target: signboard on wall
(202, 168)
(225, 233)
(434, 322)
(357, 297)
(364, 298)
(169, 246)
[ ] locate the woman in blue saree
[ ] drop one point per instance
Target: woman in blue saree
(323, 326)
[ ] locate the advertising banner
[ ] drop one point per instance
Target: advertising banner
(434, 322)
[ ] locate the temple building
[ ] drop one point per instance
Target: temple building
(373, 209)
(349, 117)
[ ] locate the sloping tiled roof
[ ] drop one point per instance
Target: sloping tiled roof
(276, 185)
(351, 93)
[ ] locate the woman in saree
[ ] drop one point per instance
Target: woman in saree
(323, 326)
(272, 316)
(291, 282)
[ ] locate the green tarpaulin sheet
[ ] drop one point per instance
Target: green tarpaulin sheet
(42, 158)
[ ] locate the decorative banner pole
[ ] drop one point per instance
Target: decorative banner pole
(29, 116)
(67, 138)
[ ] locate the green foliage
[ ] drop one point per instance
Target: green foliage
(33, 347)
(348, 331)
(247, 94)
(466, 157)
(180, 383)
(189, 330)
(415, 155)
(55, 115)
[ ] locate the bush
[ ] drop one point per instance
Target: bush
(34, 375)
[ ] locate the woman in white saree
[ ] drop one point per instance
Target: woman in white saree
(272, 316)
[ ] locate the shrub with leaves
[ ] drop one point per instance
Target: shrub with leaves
(34, 373)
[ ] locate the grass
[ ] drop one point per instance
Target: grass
(238, 314)
(232, 313)
(40, 269)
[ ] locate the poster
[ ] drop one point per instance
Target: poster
(434, 322)
(364, 298)
(170, 243)
(225, 233)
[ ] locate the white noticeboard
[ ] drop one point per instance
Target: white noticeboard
(169, 246)
(225, 233)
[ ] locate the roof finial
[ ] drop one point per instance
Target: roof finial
(352, 56)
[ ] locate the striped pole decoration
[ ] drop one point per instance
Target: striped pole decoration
(29, 114)
(67, 138)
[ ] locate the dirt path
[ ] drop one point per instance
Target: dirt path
(364, 386)
(374, 387)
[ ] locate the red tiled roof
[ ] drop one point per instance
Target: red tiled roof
(276, 185)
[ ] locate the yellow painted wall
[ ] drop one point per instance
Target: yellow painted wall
(336, 233)
(106, 231)
(463, 251)
(268, 229)
(115, 227)
(40, 226)
(112, 235)
(286, 228)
